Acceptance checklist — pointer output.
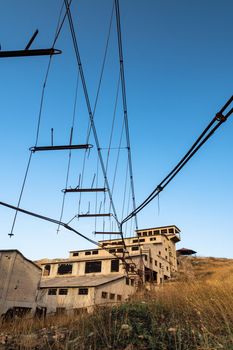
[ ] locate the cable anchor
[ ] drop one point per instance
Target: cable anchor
(220, 117)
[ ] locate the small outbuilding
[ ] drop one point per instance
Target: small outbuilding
(185, 251)
(19, 282)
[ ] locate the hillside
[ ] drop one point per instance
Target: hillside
(205, 268)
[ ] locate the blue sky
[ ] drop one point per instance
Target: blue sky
(178, 70)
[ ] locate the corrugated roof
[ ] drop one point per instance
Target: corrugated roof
(78, 281)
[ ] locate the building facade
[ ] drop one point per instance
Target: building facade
(111, 273)
(19, 284)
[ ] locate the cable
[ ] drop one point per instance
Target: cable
(89, 107)
(65, 225)
(201, 140)
(125, 104)
(57, 32)
(95, 105)
(70, 151)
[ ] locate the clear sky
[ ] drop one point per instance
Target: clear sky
(178, 67)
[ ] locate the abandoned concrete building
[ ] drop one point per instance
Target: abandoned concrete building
(99, 276)
(19, 283)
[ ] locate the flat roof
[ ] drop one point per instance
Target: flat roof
(79, 281)
(158, 228)
(85, 259)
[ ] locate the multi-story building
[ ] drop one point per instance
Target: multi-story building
(110, 273)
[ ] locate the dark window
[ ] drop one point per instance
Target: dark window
(164, 231)
(87, 253)
(156, 232)
(104, 295)
(120, 250)
(52, 291)
(112, 250)
(134, 248)
(159, 252)
(144, 233)
(64, 269)
(146, 257)
(95, 252)
(93, 266)
(156, 263)
(127, 280)
(150, 233)
(47, 269)
(166, 249)
(135, 240)
(166, 257)
(160, 265)
(151, 260)
(139, 234)
(167, 268)
(171, 230)
(118, 297)
(83, 291)
(114, 265)
(76, 254)
(63, 291)
(153, 239)
(111, 296)
(142, 240)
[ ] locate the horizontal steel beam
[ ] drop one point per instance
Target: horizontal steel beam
(92, 215)
(107, 233)
(60, 148)
(85, 190)
(25, 53)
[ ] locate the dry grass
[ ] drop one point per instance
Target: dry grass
(195, 312)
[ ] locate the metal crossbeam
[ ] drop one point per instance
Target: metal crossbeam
(107, 233)
(25, 53)
(68, 190)
(93, 215)
(60, 148)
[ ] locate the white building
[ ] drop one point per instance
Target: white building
(19, 282)
(111, 273)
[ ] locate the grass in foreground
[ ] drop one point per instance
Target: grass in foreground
(183, 315)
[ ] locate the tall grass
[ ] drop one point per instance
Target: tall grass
(176, 316)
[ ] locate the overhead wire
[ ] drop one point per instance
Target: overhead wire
(57, 32)
(123, 86)
(218, 119)
(70, 151)
(79, 64)
(95, 106)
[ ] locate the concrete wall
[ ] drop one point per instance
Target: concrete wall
(70, 301)
(94, 297)
(78, 268)
(19, 281)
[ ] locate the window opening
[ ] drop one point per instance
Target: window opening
(52, 291)
(63, 291)
(93, 266)
(104, 295)
(115, 265)
(64, 269)
(47, 270)
(83, 291)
